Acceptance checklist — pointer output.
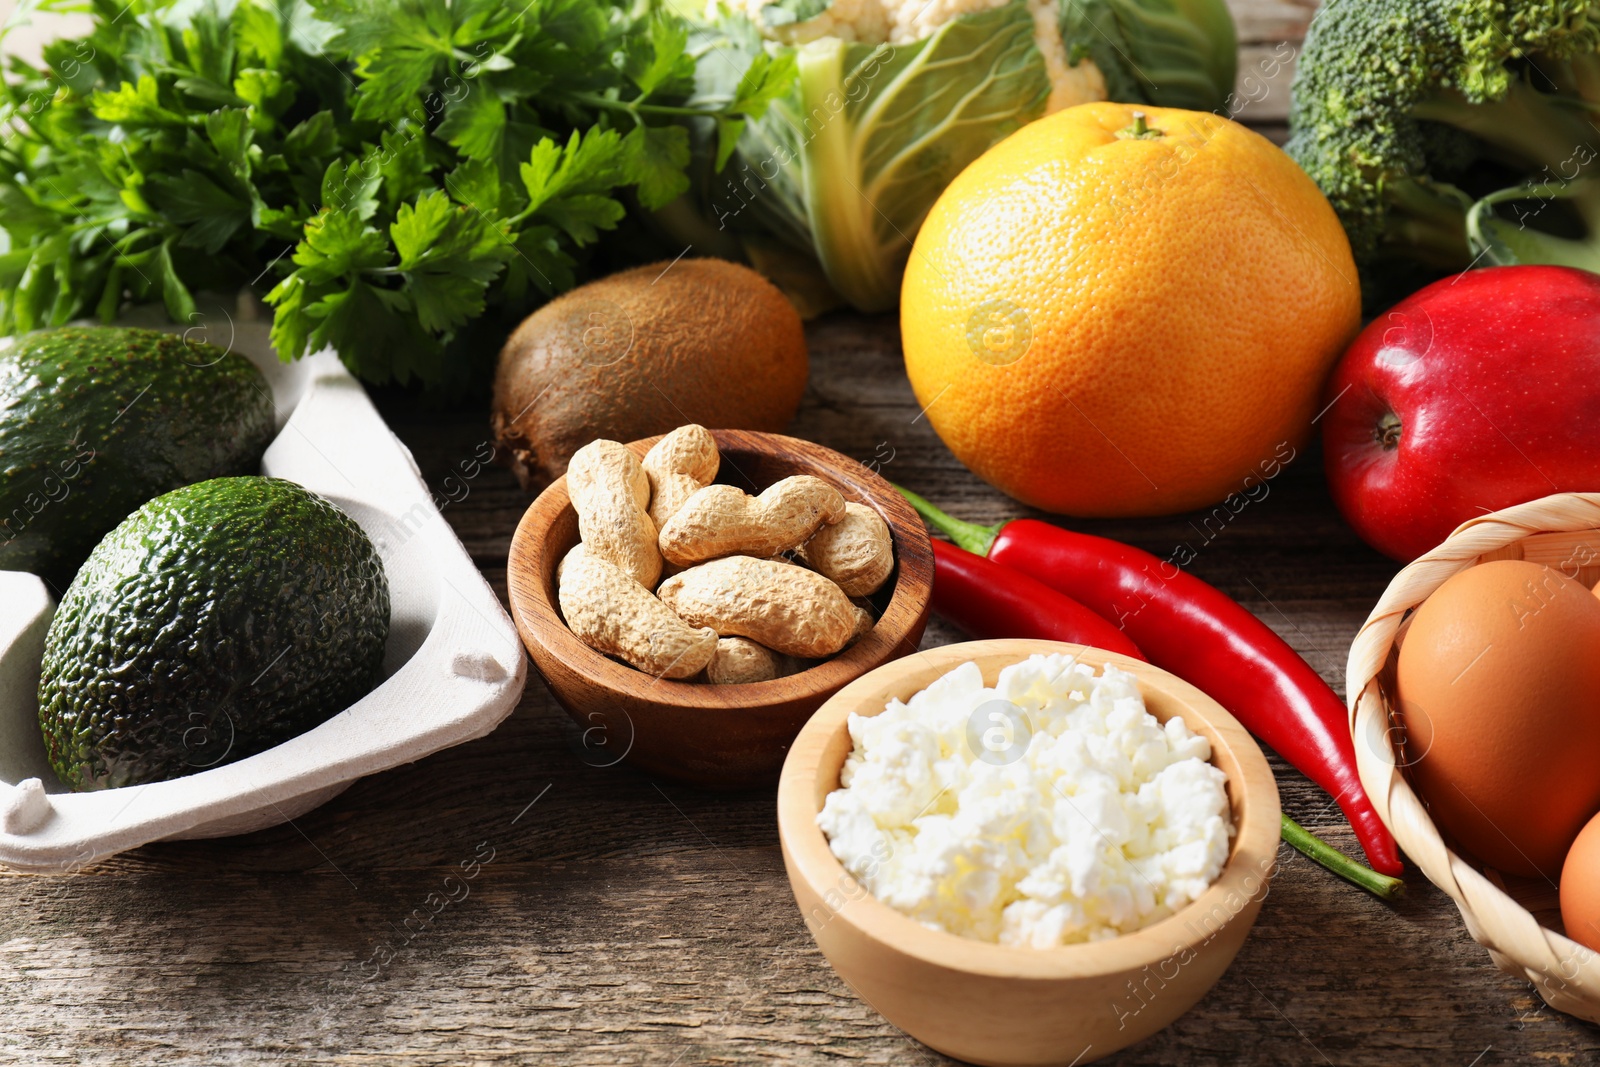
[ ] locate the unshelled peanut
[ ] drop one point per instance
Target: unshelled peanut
(682, 462)
(612, 613)
(739, 659)
(786, 608)
(864, 622)
(856, 552)
(723, 520)
(610, 492)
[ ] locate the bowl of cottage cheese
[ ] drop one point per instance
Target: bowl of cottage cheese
(1024, 852)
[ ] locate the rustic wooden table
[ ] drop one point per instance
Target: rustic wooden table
(600, 917)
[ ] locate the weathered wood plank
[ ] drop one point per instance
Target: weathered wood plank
(622, 921)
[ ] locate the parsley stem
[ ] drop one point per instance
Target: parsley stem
(635, 108)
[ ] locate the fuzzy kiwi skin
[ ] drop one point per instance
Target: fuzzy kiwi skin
(641, 353)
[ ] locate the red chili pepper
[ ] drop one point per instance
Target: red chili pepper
(988, 600)
(1203, 636)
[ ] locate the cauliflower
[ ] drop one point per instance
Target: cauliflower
(896, 22)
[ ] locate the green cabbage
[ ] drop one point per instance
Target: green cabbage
(846, 165)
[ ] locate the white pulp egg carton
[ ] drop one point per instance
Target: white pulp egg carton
(453, 670)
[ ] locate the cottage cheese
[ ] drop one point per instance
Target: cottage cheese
(1049, 809)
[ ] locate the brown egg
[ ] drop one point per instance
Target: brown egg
(1580, 888)
(1499, 697)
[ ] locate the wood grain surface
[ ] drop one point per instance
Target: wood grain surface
(517, 900)
(431, 916)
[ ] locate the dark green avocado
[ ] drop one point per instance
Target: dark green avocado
(215, 622)
(94, 421)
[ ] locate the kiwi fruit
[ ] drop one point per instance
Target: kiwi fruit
(642, 352)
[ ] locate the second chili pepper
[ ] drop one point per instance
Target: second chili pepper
(1203, 636)
(988, 600)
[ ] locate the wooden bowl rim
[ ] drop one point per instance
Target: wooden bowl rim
(1254, 849)
(913, 578)
(1565, 973)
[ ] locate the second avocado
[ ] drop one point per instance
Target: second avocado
(215, 622)
(96, 420)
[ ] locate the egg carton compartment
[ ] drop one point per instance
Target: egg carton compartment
(453, 667)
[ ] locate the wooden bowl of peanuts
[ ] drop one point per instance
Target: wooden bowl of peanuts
(716, 557)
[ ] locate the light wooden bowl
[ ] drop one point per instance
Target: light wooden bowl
(1517, 919)
(714, 736)
(998, 1005)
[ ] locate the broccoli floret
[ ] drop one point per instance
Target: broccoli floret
(1410, 114)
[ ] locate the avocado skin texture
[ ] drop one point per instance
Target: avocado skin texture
(96, 420)
(215, 622)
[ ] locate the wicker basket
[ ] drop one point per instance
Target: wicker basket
(1516, 919)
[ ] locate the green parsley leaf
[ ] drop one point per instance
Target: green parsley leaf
(263, 90)
(214, 215)
(180, 303)
(313, 137)
(259, 35)
(476, 183)
(767, 78)
(728, 134)
(659, 59)
(339, 243)
(231, 136)
(395, 175)
(404, 166)
(564, 184)
(474, 123)
(658, 156)
(540, 262)
(373, 333)
(352, 187)
(291, 327)
(138, 103)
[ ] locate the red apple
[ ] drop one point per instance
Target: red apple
(1476, 393)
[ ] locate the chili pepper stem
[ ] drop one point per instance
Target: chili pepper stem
(1379, 885)
(968, 535)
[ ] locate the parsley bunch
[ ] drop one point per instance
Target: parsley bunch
(386, 172)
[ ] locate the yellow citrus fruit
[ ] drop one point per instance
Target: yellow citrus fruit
(1127, 311)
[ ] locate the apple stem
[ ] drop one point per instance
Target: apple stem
(1388, 434)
